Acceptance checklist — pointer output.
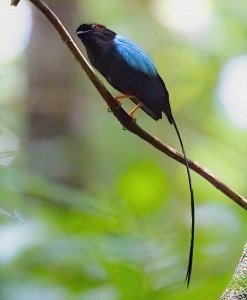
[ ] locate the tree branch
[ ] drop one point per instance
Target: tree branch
(14, 2)
(122, 116)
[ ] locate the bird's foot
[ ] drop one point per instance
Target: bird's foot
(117, 98)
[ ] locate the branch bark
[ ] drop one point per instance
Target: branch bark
(14, 2)
(123, 117)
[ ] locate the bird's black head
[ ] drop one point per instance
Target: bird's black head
(94, 32)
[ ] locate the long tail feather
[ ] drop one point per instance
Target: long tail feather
(190, 262)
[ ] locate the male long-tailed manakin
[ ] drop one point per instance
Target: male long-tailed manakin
(131, 71)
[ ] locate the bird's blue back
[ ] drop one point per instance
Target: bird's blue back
(133, 72)
(134, 56)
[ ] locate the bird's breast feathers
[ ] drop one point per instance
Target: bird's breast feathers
(134, 56)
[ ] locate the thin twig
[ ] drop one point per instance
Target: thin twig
(123, 117)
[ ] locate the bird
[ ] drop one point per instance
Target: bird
(131, 71)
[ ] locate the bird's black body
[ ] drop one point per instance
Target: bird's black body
(103, 54)
(131, 71)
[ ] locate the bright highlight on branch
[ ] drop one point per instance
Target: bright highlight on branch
(233, 90)
(190, 17)
(15, 29)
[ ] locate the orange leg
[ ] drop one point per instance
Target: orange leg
(120, 97)
(132, 112)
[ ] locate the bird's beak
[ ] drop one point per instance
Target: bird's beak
(83, 34)
(80, 32)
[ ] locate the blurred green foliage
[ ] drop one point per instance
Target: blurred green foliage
(122, 231)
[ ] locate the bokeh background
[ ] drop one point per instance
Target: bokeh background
(89, 211)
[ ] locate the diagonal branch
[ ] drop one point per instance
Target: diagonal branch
(14, 2)
(122, 116)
